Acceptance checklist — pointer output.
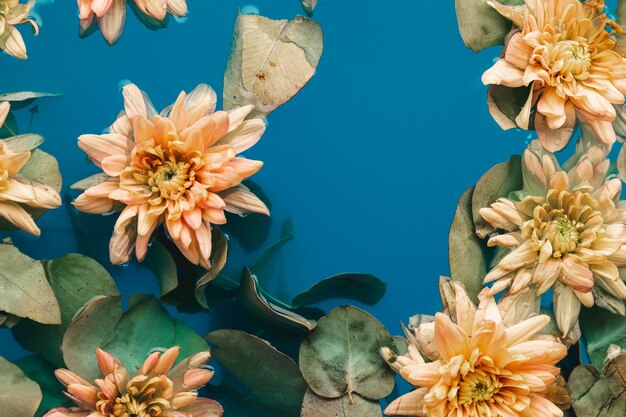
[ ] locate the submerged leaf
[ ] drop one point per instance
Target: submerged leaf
(9, 128)
(506, 103)
(346, 406)
(466, 253)
(341, 356)
(25, 290)
(261, 306)
(24, 98)
(601, 329)
(162, 264)
(480, 25)
(272, 377)
(270, 61)
(263, 267)
(75, 280)
(19, 396)
(365, 288)
(219, 253)
(42, 372)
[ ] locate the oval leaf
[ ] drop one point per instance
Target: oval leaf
(599, 395)
(601, 329)
(466, 252)
(272, 377)
(354, 406)
(19, 396)
(341, 356)
(365, 288)
(270, 61)
(25, 290)
(480, 25)
(24, 98)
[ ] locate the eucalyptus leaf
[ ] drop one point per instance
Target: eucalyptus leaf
(506, 103)
(42, 372)
(346, 406)
(263, 267)
(621, 12)
(162, 264)
(76, 280)
(25, 290)
(263, 307)
(272, 377)
(466, 252)
(270, 61)
(309, 6)
(498, 182)
(24, 98)
(9, 128)
(19, 396)
(365, 288)
(596, 394)
(601, 328)
(219, 253)
(480, 25)
(341, 356)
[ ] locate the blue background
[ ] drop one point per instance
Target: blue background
(368, 159)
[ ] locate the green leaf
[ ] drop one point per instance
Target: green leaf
(24, 98)
(596, 394)
(75, 280)
(25, 290)
(466, 252)
(219, 253)
(272, 377)
(270, 61)
(42, 372)
(481, 26)
(346, 406)
(498, 182)
(600, 329)
(19, 396)
(506, 103)
(365, 288)
(9, 128)
(341, 356)
(262, 306)
(162, 264)
(621, 12)
(264, 265)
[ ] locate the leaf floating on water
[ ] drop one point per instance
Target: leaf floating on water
(309, 6)
(365, 288)
(42, 372)
(466, 253)
(219, 254)
(601, 329)
(266, 308)
(346, 406)
(272, 377)
(270, 61)
(162, 264)
(19, 396)
(25, 290)
(341, 356)
(480, 25)
(264, 265)
(506, 103)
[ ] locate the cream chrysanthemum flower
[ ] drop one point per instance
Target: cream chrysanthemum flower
(568, 234)
(111, 14)
(158, 389)
(564, 51)
(13, 13)
(179, 168)
(479, 366)
(16, 190)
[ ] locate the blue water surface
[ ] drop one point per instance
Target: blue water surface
(368, 160)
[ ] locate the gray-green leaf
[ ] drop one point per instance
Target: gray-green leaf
(346, 406)
(481, 26)
(19, 396)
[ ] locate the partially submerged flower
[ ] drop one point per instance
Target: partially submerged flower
(482, 367)
(179, 168)
(565, 51)
(13, 13)
(158, 389)
(111, 14)
(16, 190)
(567, 234)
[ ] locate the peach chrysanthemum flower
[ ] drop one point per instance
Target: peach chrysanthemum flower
(111, 14)
(13, 13)
(480, 367)
(567, 234)
(179, 168)
(158, 389)
(564, 51)
(16, 190)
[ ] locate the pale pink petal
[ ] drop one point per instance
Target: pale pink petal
(411, 404)
(504, 73)
(32, 193)
(5, 106)
(112, 22)
(240, 200)
(245, 136)
(99, 147)
(15, 214)
(100, 7)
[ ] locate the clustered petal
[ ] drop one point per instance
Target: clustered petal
(16, 190)
(158, 389)
(566, 52)
(179, 168)
(568, 234)
(479, 366)
(110, 15)
(13, 13)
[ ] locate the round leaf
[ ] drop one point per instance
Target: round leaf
(19, 396)
(480, 25)
(25, 289)
(354, 406)
(341, 356)
(272, 377)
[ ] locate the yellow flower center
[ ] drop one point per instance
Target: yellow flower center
(145, 397)
(171, 179)
(4, 178)
(563, 234)
(566, 61)
(478, 386)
